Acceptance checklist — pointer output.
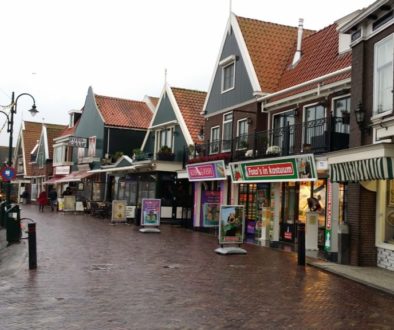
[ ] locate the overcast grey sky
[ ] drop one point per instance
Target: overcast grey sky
(56, 49)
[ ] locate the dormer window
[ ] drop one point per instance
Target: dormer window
(228, 73)
(383, 76)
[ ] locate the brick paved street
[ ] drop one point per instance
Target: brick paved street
(92, 275)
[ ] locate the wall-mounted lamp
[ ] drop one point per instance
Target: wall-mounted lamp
(360, 115)
(296, 111)
(250, 121)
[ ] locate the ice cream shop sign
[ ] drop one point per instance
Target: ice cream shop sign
(297, 168)
(206, 171)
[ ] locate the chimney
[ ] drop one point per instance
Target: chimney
(297, 54)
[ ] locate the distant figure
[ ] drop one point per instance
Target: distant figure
(25, 197)
(67, 192)
(52, 198)
(42, 200)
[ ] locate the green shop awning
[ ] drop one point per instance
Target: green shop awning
(363, 170)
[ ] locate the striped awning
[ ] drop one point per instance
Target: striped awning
(363, 170)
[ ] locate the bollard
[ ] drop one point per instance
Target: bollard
(301, 244)
(32, 246)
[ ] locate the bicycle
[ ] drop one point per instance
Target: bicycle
(25, 227)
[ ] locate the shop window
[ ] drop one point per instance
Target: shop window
(342, 214)
(383, 76)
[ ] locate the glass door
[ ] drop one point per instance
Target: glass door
(289, 212)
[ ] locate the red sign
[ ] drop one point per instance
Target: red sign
(270, 169)
(288, 235)
(329, 204)
(7, 173)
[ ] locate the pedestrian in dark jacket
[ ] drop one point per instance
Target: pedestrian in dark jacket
(52, 198)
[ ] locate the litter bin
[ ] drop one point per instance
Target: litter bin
(343, 244)
(13, 224)
(3, 206)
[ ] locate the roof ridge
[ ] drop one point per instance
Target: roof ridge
(273, 23)
(118, 98)
(189, 90)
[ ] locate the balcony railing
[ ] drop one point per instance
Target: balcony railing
(317, 136)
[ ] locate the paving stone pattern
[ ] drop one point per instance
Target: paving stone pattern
(93, 275)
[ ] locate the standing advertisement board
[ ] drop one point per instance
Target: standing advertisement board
(150, 212)
(232, 223)
(118, 211)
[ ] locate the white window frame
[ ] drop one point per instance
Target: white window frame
(304, 108)
(211, 150)
(224, 67)
(169, 135)
(225, 138)
(377, 114)
(244, 136)
(333, 111)
(274, 128)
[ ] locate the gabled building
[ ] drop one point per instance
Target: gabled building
(152, 171)
(28, 137)
(105, 129)
(41, 157)
(367, 167)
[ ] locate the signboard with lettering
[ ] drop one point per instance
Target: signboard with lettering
(206, 171)
(283, 169)
(150, 212)
(62, 170)
(7, 173)
(76, 141)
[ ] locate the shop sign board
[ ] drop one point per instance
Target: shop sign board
(281, 169)
(8, 173)
(118, 211)
(62, 170)
(150, 212)
(206, 171)
(69, 203)
(327, 240)
(232, 223)
(79, 142)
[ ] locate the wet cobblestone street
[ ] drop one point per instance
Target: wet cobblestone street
(93, 275)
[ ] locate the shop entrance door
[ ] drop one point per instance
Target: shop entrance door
(288, 219)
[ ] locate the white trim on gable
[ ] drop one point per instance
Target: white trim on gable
(233, 24)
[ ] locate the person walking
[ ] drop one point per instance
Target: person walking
(42, 200)
(52, 198)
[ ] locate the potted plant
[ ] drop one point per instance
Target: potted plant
(165, 153)
(138, 154)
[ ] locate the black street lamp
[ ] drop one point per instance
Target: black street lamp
(12, 231)
(10, 129)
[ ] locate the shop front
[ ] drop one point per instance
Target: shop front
(278, 194)
(210, 192)
(367, 172)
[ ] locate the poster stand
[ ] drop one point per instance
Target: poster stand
(231, 229)
(150, 215)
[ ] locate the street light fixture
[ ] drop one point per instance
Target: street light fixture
(10, 130)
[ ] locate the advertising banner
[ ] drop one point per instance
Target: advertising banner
(118, 211)
(79, 142)
(69, 203)
(150, 212)
(232, 223)
(281, 169)
(206, 171)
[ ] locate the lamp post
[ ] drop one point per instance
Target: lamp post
(12, 227)
(10, 130)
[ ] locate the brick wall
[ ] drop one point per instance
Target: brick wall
(362, 218)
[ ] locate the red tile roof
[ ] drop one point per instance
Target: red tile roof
(191, 103)
(124, 113)
(319, 57)
(269, 46)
